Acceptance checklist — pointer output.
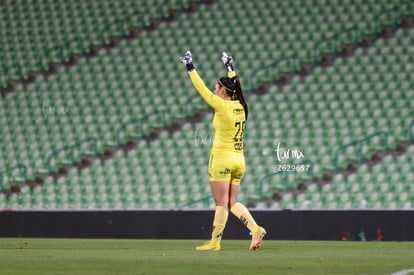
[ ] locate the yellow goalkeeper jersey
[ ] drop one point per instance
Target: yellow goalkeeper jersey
(229, 117)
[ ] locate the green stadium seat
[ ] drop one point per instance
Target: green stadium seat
(119, 85)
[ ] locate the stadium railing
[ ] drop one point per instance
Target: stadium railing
(141, 122)
(71, 149)
(394, 11)
(274, 70)
(286, 183)
(17, 179)
(188, 105)
(359, 143)
(335, 38)
(205, 199)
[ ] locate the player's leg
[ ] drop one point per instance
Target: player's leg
(220, 191)
(219, 176)
(242, 213)
(236, 208)
(239, 210)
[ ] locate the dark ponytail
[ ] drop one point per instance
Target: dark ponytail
(234, 90)
(240, 96)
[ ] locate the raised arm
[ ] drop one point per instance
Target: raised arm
(213, 100)
(231, 73)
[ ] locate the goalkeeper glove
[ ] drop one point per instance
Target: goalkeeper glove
(227, 61)
(187, 59)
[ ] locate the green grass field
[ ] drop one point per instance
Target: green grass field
(97, 256)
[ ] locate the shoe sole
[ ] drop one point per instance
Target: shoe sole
(211, 248)
(201, 249)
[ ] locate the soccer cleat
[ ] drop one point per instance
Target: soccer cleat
(210, 245)
(257, 238)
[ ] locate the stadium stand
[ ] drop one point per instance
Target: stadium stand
(375, 101)
(37, 36)
(70, 106)
(387, 184)
(97, 106)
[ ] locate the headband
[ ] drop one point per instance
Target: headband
(227, 89)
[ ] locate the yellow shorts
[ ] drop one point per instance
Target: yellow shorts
(226, 166)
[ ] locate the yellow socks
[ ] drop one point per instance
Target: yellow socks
(243, 214)
(219, 223)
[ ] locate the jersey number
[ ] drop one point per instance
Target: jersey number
(240, 128)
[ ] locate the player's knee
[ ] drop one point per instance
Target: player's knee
(222, 202)
(232, 202)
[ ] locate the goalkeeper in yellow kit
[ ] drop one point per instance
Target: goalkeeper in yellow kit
(226, 166)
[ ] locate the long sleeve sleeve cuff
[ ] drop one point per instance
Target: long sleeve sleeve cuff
(190, 67)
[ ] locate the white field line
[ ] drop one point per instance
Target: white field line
(404, 272)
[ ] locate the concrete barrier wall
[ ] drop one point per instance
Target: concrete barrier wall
(171, 224)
